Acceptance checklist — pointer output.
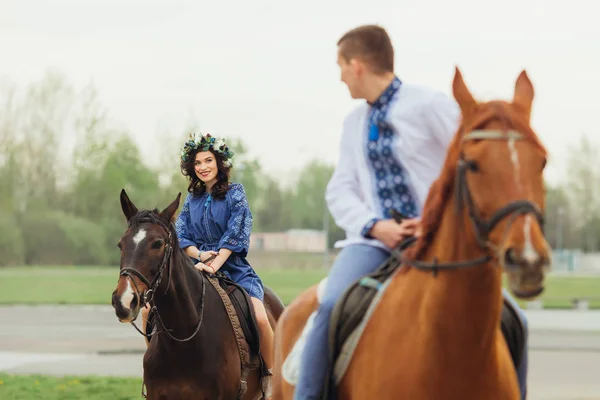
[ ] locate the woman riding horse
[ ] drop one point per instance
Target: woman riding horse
(202, 344)
(215, 223)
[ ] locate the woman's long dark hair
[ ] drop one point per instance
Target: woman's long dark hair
(196, 186)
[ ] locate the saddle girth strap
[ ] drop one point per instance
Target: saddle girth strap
(242, 343)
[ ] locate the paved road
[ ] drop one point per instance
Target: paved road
(81, 340)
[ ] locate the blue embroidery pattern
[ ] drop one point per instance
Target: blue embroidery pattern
(391, 182)
(241, 226)
(180, 222)
(203, 220)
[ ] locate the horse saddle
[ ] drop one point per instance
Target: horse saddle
(356, 305)
(243, 321)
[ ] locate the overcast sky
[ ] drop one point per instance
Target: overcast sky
(265, 70)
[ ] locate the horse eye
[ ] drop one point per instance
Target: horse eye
(472, 166)
(157, 244)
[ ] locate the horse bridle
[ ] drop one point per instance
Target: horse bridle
(482, 227)
(147, 296)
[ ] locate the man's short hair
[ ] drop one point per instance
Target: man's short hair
(371, 44)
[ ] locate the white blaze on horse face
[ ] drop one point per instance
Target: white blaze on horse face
(514, 157)
(141, 235)
(127, 296)
(529, 253)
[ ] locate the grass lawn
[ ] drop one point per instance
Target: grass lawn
(94, 285)
(18, 387)
(561, 289)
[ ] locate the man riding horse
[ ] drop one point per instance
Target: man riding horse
(392, 149)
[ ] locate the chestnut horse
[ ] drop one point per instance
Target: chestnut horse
(435, 333)
(193, 354)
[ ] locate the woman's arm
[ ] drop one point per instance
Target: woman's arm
(183, 229)
(220, 260)
(236, 238)
(193, 252)
(184, 233)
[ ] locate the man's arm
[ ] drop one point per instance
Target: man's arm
(348, 208)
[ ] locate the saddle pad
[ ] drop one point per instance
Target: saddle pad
(291, 366)
(349, 344)
(245, 311)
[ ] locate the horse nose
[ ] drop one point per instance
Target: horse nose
(527, 258)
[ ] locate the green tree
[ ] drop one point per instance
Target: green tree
(309, 206)
(309, 201)
(247, 171)
(558, 229)
(584, 192)
(274, 214)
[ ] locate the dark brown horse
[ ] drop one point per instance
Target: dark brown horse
(193, 352)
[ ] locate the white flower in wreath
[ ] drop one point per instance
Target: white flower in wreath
(217, 145)
(197, 138)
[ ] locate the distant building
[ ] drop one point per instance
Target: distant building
(300, 240)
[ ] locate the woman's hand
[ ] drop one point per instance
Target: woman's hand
(207, 254)
(203, 267)
(223, 255)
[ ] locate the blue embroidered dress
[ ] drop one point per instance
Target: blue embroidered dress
(213, 224)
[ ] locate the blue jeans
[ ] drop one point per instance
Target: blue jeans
(353, 262)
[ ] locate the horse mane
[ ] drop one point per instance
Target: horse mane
(438, 195)
(143, 216)
(443, 187)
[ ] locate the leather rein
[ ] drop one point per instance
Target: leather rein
(482, 227)
(147, 296)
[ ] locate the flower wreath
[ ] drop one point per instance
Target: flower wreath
(206, 143)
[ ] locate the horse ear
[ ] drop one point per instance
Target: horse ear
(524, 93)
(462, 94)
(127, 206)
(168, 213)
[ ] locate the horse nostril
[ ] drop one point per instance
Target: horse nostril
(114, 298)
(134, 302)
(510, 258)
